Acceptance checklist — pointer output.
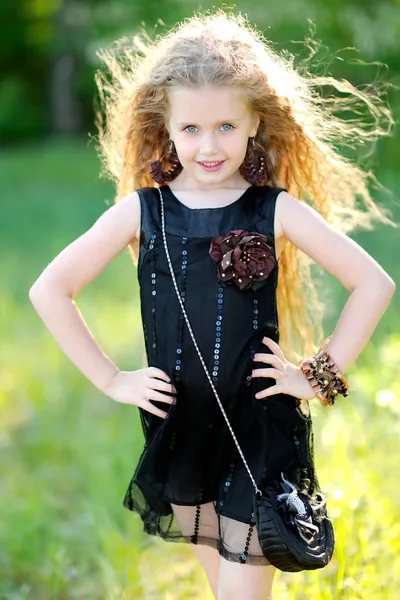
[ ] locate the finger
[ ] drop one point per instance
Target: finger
(154, 395)
(157, 384)
(274, 347)
(149, 407)
(269, 358)
(274, 373)
(156, 372)
(274, 389)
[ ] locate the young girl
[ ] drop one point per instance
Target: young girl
(239, 146)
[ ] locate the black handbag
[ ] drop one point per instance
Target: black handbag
(293, 527)
(294, 531)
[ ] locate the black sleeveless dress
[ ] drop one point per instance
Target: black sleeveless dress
(190, 483)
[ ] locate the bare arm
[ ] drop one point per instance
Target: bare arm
(79, 263)
(370, 287)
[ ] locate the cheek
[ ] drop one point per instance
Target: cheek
(243, 142)
(235, 144)
(186, 148)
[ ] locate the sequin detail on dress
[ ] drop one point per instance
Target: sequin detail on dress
(255, 327)
(184, 262)
(229, 476)
(153, 292)
(218, 332)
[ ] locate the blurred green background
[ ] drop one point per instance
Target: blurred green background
(67, 451)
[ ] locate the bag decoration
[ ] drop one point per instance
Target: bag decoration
(242, 257)
(298, 510)
(293, 528)
(294, 531)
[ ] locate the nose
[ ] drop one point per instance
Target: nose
(208, 146)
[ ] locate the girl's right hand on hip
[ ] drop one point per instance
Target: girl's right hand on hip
(141, 386)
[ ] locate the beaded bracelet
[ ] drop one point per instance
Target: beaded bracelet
(324, 376)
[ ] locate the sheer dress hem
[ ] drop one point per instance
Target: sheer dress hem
(168, 529)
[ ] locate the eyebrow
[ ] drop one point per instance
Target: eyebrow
(219, 121)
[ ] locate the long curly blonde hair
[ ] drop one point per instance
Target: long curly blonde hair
(299, 130)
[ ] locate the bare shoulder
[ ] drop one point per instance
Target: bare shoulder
(285, 207)
(129, 208)
(333, 250)
(280, 239)
(121, 222)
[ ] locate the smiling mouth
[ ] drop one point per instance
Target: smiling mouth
(210, 163)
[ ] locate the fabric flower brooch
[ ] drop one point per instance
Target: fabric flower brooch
(243, 258)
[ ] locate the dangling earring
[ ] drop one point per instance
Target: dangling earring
(254, 173)
(156, 166)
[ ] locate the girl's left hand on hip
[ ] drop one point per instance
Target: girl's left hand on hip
(289, 378)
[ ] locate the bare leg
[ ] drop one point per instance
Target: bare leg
(208, 527)
(245, 582)
(210, 561)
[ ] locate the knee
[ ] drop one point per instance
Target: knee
(245, 582)
(210, 561)
(213, 583)
(243, 593)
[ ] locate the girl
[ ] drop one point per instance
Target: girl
(240, 147)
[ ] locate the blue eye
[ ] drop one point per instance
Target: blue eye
(193, 128)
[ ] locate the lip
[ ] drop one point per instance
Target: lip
(213, 168)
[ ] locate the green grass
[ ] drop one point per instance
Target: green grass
(68, 452)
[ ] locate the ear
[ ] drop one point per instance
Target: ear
(255, 123)
(167, 126)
